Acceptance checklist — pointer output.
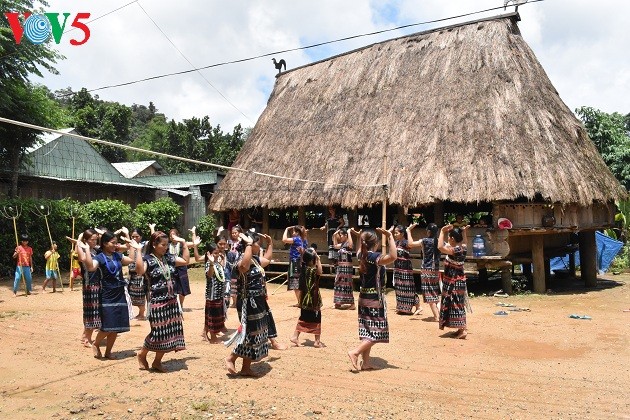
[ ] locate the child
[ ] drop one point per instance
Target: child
(75, 268)
(453, 309)
(52, 267)
(24, 255)
(215, 292)
(311, 300)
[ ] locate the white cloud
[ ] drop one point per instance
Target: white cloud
(579, 43)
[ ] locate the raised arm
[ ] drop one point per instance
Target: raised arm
(84, 249)
(185, 258)
(392, 253)
(266, 259)
(246, 259)
(285, 236)
(442, 247)
(411, 243)
(318, 262)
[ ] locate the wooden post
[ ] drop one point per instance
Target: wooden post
(572, 264)
(385, 197)
(265, 220)
(301, 216)
(506, 280)
(438, 213)
(588, 258)
(401, 216)
(538, 260)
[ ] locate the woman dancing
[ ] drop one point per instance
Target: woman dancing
(113, 304)
(165, 316)
(297, 241)
(453, 308)
(406, 297)
(345, 271)
(373, 327)
(252, 336)
(430, 272)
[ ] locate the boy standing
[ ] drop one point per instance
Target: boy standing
(24, 255)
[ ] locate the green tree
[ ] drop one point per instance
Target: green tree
(109, 121)
(609, 133)
(19, 99)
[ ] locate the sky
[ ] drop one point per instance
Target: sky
(580, 43)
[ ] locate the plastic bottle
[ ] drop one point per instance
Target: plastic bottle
(479, 246)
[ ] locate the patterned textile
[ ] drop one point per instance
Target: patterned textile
(295, 266)
(405, 286)
(430, 285)
(114, 309)
(181, 282)
(215, 315)
(453, 308)
(230, 267)
(343, 279)
(310, 322)
(215, 303)
(165, 317)
(91, 297)
(137, 290)
(373, 324)
(252, 300)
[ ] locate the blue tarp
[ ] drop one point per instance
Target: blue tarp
(607, 249)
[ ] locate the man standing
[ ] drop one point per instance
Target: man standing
(24, 255)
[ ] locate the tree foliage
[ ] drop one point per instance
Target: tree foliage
(164, 212)
(111, 214)
(610, 134)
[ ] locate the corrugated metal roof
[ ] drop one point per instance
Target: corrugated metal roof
(180, 180)
(65, 157)
(132, 169)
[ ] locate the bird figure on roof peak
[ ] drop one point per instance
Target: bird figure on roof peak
(280, 64)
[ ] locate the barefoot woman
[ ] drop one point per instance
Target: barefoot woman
(373, 327)
(165, 317)
(252, 336)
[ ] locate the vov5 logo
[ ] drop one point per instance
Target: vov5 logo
(39, 27)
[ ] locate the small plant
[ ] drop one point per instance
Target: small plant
(201, 405)
(519, 285)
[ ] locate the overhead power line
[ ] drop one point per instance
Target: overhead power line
(242, 60)
(191, 64)
(183, 159)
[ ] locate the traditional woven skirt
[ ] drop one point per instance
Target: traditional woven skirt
(373, 324)
(406, 296)
(453, 308)
(430, 285)
(182, 284)
(137, 290)
(310, 322)
(255, 346)
(167, 328)
(333, 254)
(294, 275)
(114, 310)
(343, 284)
(91, 305)
(215, 315)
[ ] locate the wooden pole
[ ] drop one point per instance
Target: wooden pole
(70, 279)
(265, 220)
(384, 211)
(301, 216)
(588, 258)
(538, 260)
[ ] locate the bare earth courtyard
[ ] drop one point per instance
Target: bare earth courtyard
(536, 364)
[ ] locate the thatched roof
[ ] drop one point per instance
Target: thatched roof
(464, 113)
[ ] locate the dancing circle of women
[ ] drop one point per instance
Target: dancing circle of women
(235, 273)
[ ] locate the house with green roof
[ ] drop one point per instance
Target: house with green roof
(63, 165)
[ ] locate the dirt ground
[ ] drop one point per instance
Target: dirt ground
(538, 364)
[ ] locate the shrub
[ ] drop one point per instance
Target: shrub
(111, 214)
(164, 212)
